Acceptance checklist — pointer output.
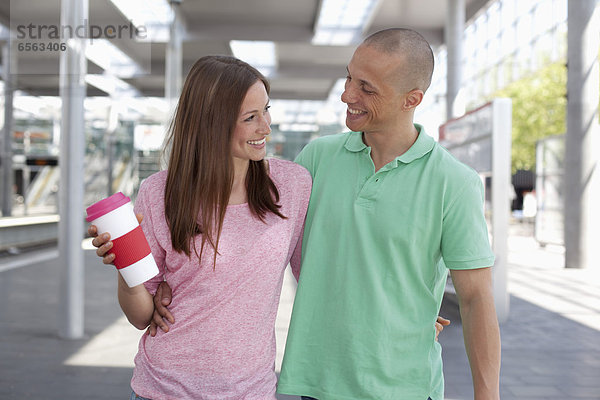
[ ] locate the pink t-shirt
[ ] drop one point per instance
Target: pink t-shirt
(222, 344)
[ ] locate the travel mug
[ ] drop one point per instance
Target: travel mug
(133, 257)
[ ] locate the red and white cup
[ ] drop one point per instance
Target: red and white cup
(133, 257)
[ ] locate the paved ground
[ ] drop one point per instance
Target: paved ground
(551, 342)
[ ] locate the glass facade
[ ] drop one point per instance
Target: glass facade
(503, 43)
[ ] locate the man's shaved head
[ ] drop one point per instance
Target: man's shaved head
(417, 66)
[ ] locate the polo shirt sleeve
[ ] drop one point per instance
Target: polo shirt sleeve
(306, 158)
(465, 243)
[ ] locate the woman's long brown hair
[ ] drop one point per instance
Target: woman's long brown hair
(200, 168)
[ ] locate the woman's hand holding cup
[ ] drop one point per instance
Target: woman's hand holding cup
(103, 244)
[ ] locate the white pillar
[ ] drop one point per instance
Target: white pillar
(501, 144)
(454, 30)
(7, 136)
(73, 68)
(111, 139)
(582, 158)
(174, 56)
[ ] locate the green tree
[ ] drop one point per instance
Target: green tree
(539, 110)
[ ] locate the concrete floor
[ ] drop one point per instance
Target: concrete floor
(551, 342)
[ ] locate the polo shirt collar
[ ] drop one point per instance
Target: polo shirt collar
(422, 146)
(354, 143)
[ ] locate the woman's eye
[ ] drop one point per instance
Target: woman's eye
(267, 109)
(250, 118)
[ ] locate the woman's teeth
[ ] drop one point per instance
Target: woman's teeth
(256, 142)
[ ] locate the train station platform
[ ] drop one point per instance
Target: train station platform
(550, 343)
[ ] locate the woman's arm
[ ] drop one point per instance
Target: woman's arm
(136, 303)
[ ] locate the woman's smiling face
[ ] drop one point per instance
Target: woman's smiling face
(253, 125)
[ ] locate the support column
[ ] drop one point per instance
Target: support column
(111, 130)
(501, 145)
(174, 57)
(73, 68)
(7, 134)
(454, 30)
(582, 152)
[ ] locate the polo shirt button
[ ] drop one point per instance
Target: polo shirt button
(377, 180)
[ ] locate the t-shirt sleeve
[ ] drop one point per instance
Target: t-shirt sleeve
(465, 242)
(143, 206)
(304, 184)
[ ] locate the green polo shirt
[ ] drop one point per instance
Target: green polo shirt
(372, 279)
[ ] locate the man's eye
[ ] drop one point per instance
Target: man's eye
(267, 109)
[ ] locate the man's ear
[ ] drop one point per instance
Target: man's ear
(412, 99)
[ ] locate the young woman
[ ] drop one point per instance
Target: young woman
(222, 223)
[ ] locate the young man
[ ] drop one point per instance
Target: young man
(387, 205)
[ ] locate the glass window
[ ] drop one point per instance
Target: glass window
(469, 43)
(524, 6)
(559, 11)
(494, 51)
(507, 12)
(506, 71)
(505, 43)
(493, 22)
(441, 61)
(543, 51)
(560, 40)
(543, 18)
(469, 69)
(481, 31)
(524, 30)
(508, 40)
